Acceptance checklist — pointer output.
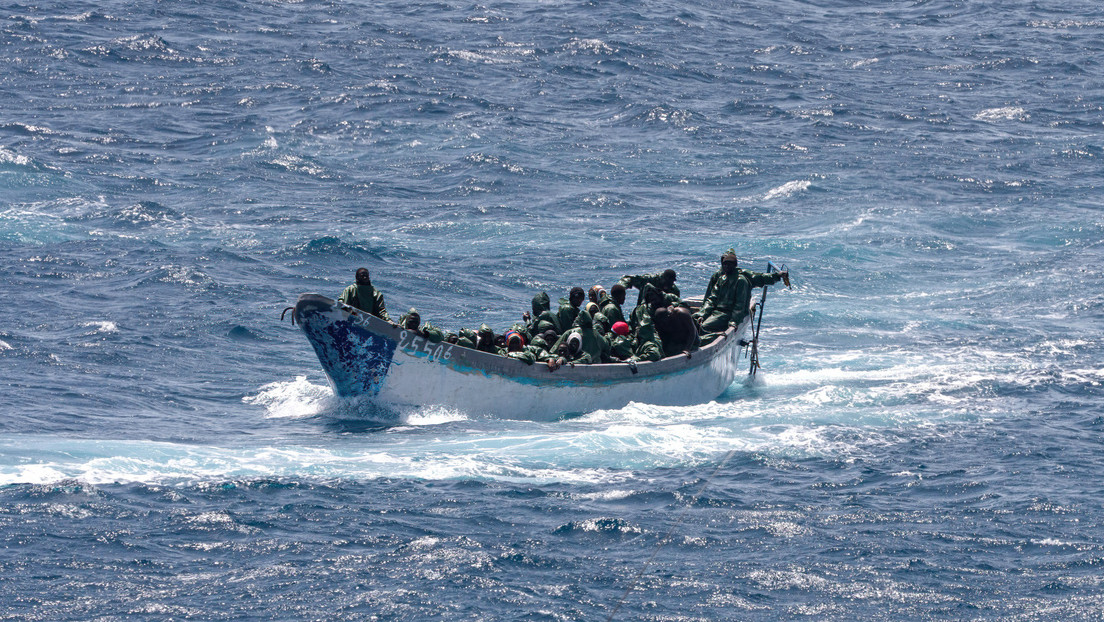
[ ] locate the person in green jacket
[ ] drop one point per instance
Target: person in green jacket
(364, 296)
(664, 282)
(647, 345)
(485, 340)
(583, 345)
(412, 321)
(541, 319)
(610, 304)
(728, 295)
(517, 349)
(651, 299)
(569, 309)
(621, 343)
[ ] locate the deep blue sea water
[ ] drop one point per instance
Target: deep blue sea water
(926, 440)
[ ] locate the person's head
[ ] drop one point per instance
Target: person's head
(362, 277)
(574, 344)
(452, 338)
(592, 308)
(617, 292)
(514, 341)
(412, 320)
(595, 293)
(484, 338)
(576, 297)
(669, 278)
(653, 297)
(728, 261)
(549, 336)
(620, 328)
(540, 303)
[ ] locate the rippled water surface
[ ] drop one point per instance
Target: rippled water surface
(924, 441)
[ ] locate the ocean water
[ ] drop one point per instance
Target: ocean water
(925, 440)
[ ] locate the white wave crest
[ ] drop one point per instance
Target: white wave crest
(103, 327)
(295, 399)
(787, 189)
(1007, 113)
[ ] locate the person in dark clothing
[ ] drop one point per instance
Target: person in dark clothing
(541, 319)
(651, 300)
(728, 295)
(364, 296)
(677, 330)
(413, 321)
(664, 282)
(610, 304)
(566, 314)
(485, 340)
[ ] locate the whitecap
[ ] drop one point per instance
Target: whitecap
(102, 327)
(590, 46)
(1007, 113)
(9, 157)
(293, 399)
(787, 189)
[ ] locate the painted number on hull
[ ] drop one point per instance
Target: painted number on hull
(420, 346)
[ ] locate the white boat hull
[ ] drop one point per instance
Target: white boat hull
(397, 369)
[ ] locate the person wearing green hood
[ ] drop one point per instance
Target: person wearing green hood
(647, 346)
(465, 337)
(485, 341)
(412, 321)
(728, 295)
(541, 319)
(664, 282)
(650, 300)
(584, 344)
(364, 296)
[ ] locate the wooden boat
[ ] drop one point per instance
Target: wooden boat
(400, 370)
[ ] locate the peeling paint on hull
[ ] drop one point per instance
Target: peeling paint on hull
(363, 355)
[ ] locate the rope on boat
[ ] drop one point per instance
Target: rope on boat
(286, 309)
(667, 537)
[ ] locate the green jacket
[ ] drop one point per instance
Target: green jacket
(541, 319)
(621, 348)
(728, 296)
(640, 280)
(367, 299)
(647, 346)
(565, 316)
(528, 354)
(595, 347)
(466, 337)
(427, 330)
(611, 309)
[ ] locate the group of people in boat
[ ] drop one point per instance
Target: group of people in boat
(661, 324)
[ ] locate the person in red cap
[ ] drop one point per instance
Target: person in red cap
(621, 343)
